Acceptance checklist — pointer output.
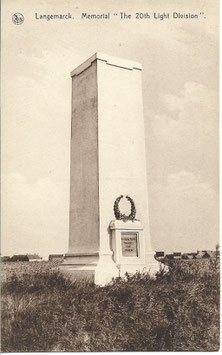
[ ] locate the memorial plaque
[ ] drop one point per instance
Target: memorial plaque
(129, 244)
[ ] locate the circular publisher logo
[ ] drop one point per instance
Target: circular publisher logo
(17, 18)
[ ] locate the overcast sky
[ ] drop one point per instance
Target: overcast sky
(180, 93)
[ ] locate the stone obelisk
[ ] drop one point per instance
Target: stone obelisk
(108, 159)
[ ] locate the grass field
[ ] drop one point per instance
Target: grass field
(44, 311)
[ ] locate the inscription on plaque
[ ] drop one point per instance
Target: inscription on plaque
(129, 244)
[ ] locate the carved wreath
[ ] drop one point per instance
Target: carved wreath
(121, 216)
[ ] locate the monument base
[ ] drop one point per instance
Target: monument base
(95, 267)
(128, 255)
(103, 273)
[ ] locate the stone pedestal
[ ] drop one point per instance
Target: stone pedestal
(128, 245)
(107, 160)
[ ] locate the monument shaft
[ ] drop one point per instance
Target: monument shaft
(108, 159)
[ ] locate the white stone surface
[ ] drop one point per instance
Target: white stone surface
(107, 160)
(121, 140)
(110, 60)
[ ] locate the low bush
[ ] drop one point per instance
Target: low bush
(178, 311)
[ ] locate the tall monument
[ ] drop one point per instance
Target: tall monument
(108, 168)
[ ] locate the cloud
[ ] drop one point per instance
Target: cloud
(188, 115)
(183, 213)
(34, 216)
(184, 134)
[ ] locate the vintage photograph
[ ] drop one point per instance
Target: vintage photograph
(110, 176)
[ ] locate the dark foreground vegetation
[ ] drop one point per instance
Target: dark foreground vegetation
(44, 311)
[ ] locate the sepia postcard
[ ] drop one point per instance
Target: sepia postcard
(110, 176)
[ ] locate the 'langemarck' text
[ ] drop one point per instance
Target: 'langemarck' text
(53, 17)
